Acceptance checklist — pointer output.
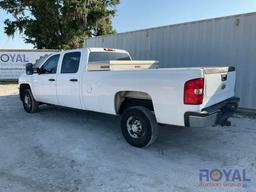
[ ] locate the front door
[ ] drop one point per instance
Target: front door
(45, 82)
(68, 81)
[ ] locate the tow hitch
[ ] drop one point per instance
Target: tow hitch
(227, 111)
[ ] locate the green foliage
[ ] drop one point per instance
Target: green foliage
(59, 24)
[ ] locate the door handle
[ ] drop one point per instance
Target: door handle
(73, 80)
(51, 79)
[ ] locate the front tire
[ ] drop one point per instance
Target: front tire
(29, 103)
(139, 126)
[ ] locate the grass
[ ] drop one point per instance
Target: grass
(8, 82)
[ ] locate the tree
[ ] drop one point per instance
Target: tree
(59, 24)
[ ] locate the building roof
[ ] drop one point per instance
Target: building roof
(29, 50)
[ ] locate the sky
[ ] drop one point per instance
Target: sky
(140, 14)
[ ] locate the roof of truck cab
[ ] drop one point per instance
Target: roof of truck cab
(94, 49)
(97, 49)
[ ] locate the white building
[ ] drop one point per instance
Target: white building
(13, 61)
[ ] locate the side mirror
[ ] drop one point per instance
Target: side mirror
(38, 70)
(29, 69)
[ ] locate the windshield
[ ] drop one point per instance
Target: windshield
(106, 56)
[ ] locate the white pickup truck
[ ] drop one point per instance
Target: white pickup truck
(108, 81)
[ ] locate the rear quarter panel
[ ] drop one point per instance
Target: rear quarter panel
(164, 86)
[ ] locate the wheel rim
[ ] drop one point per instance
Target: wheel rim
(135, 128)
(27, 101)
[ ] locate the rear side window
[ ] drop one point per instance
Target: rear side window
(106, 56)
(70, 63)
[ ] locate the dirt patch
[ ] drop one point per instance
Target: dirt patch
(8, 89)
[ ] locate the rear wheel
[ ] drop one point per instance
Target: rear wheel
(29, 103)
(139, 126)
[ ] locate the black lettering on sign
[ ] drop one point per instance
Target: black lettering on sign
(14, 58)
(4, 58)
(19, 58)
(25, 59)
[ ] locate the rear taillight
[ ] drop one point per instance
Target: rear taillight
(194, 92)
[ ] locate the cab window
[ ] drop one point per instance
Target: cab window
(50, 66)
(106, 56)
(70, 63)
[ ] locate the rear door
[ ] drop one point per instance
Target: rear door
(68, 80)
(219, 84)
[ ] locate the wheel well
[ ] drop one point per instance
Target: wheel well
(126, 99)
(23, 87)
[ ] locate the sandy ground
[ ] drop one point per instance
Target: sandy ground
(67, 150)
(8, 89)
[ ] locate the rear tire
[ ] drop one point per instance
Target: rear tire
(139, 126)
(29, 103)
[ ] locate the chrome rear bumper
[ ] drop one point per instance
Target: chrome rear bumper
(214, 115)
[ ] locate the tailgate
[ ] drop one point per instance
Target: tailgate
(219, 84)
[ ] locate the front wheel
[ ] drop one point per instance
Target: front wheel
(139, 126)
(29, 103)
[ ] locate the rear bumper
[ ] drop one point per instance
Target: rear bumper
(214, 115)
